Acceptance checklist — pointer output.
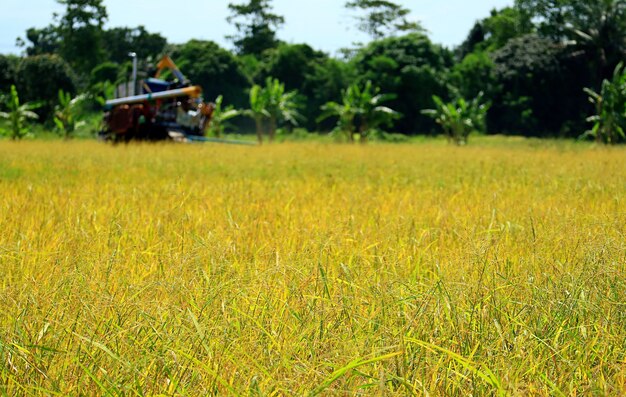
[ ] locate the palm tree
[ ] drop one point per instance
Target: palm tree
(220, 117)
(19, 114)
(459, 118)
(67, 113)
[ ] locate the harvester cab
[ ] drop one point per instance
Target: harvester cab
(163, 110)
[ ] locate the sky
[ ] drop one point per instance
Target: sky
(324, 24)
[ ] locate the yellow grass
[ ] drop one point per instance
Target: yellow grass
(493, 269)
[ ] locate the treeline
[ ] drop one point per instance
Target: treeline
(541, 67)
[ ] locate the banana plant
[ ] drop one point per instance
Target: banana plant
(67, 113)
(360, 111)
(609, 120)
(371, 113)
(270, 105)
(281, 106)
(19, 115)
(345, 114)
(221, 116)
(459, 118)
(258, 109)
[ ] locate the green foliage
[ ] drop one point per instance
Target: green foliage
(532, 60)
(536, 90)
(8, 70)
(593, 29)
(213, 68)
(18, 115)
(80, 32)
(459, 118)
(256, 26)
(609, 120)
(296, 65)
(560, 18)
(494, 32)
(41, 77)
(326, 82)
(118, 42)
(281, 105)
(258, 109)
(42, 41)
(317, 77)
(67, 113)
(360, 112)
(101, 92)
(291, 64)
(107, 71)
(382, 18)
(475, 73)
(413, 69)
(220, 117)
(271, 105)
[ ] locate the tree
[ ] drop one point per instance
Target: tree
(18, 115)
(326, 82)
(76, 35)
(459, 118)
(539, 89)
(42, 41)
(67, 113)
(8, 70)
(39, 78)
(475, 73)
(360, 112)
(80, 30)
(382, 18)
(291, 63)
(220, 117)
(412, 68)
(475, 38)
(609, 120)
(494, 31)
(213, 68)
(256, 26)
(595, 29)
(296, 66)
(119, 42)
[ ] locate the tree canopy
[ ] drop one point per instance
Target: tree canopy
(380, 18)
(256, 26)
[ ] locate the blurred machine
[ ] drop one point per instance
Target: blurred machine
(164, 110)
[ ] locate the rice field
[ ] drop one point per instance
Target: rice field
(312, 269)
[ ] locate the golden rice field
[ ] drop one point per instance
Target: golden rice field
(312, 269)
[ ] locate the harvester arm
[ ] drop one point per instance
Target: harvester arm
(167, 63)
(192, 92)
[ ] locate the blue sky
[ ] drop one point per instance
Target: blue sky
(324, 24)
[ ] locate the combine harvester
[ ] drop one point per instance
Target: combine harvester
(163, 111)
